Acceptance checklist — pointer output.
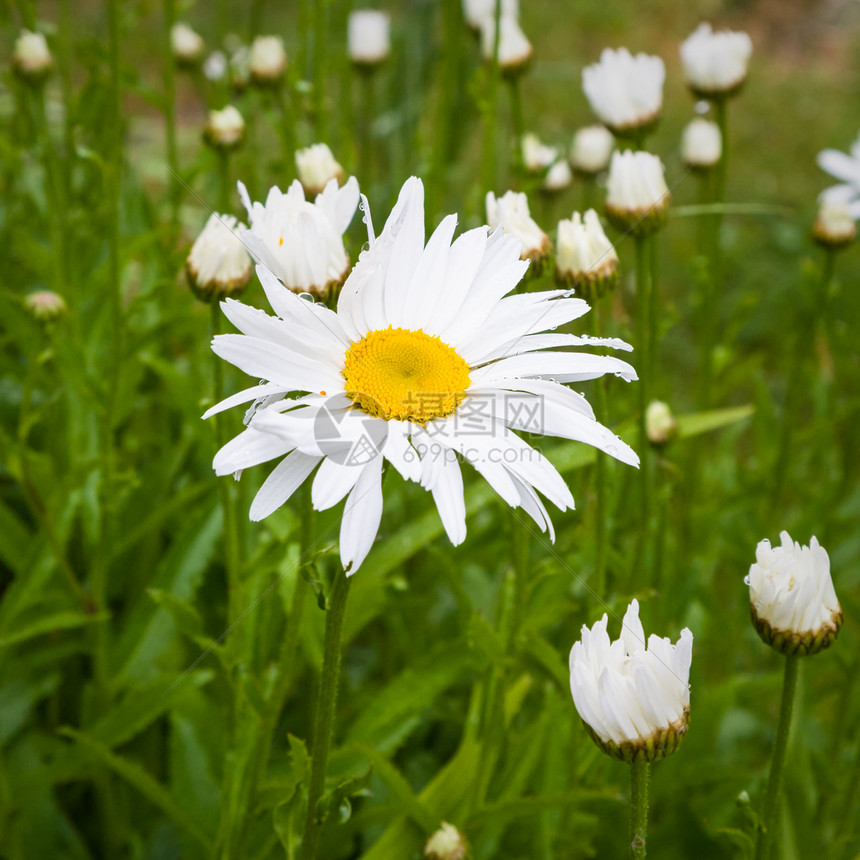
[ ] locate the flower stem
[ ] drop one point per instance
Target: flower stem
(644, 362)
(639, 772)
(170, 113)
(324, 710)
(517, 120)
(794, 384)
(774, 782)
(320, 23)
(714, 250)
(491, 111)
(653, 308)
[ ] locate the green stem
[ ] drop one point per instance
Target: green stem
(711, 284)
(517, 120)
(770, 815)
(639, 772)
(491, 112)
(173, 187)
(224, 189)
(320, 23)
(288, 130)
(324, 710)
(653, 308)
(794, 383)
(521, 545)
(644, 362)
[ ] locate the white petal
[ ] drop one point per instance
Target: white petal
(284, 480)
(256, 392)
(332, 482)
(361, 516)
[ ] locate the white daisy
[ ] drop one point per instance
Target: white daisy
(426, 357)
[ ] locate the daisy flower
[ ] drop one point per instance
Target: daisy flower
(426, 359)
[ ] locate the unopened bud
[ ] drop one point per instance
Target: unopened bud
(661, 426)
(45, 305)
(225, 128)
(447, 843)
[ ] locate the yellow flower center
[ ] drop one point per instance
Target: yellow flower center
(395, 373)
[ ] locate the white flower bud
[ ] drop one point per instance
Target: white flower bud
(316, 166)
(625, 92)
(187, 45)
(268, 60)
(559, 176)
(32, 58)
(634, 701)
(834, 226)
(218, 264)
(45, 305)
(661, 426)
(637, 198)
(511, 213)
(225, 128)
(701, 143)
(515, 50)
(537, 157)
(715, 64)
(240, 68)
(591, 149)
(585, 258)
(447, 843)
(368, 36)
(477, 11)
(215, 66)
(792, 599)
(300, 242)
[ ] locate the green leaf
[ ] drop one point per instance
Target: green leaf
(145, 704)
(338, 797)
(137, 777)
(65, 620)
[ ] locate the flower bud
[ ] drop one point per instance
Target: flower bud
(834, 228)
(186, 44)
(701, 144)
(591, 149)
(661, 426)
(301, 242)
(637, 198)
(218, 264)
(225, 128)
(715, 64)
(316, 166)
(368, 37)
(511, 213)
(585, 258)
(31, 59)
(476, 11)
(633, 700)
(268, 60)
(515, 50)
(447, 843)
(215, 66)
(45, 305)
(558, 177)
(792, 601)
(537, 157)
(239, 68)
(625, 92)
